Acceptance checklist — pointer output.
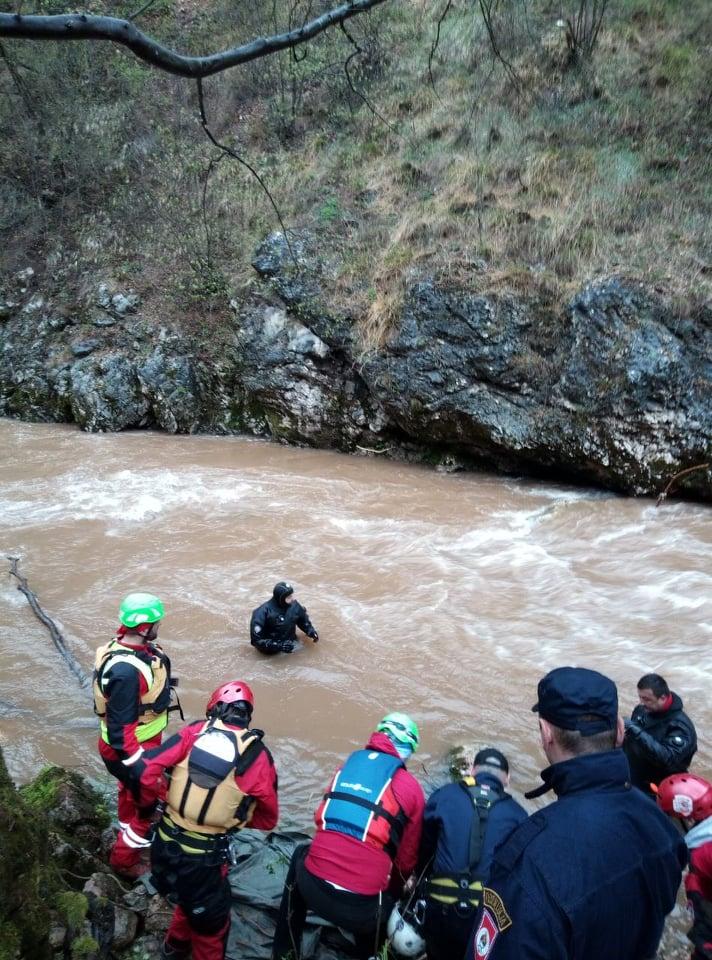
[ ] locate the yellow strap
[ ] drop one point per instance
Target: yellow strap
(144, 731)
(449, 882)
(183, 846)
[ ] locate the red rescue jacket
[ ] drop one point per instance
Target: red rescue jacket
(362, 867)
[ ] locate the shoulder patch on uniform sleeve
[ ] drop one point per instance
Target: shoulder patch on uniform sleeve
(493, 901)
(494, 920)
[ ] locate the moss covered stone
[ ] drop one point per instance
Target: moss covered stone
(24, 879)
(72, 907)
(84, 947)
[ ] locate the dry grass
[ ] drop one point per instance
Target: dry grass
(532, 186)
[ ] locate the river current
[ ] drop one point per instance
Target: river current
(446, 596)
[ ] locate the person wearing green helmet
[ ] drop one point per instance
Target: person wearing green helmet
(402, 731)
(368, 829)
(132, 692)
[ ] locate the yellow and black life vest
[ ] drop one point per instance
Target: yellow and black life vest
(203, 796)
(155, 669)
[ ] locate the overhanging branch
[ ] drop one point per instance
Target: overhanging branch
(83, 26)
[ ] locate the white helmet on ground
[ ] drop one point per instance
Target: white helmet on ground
(404, 933)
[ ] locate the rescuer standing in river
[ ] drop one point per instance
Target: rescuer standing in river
(132, 691)
(273, 625)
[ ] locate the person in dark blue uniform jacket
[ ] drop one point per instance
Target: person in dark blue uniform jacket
(464, 823)
(273, 626)
(595, 873)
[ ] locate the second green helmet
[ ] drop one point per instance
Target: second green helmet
(401, 729)
(138, 608)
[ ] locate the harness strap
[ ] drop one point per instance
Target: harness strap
(482, 803)
(206, 804)
(376, 808)
(198, 844)
(128, 657)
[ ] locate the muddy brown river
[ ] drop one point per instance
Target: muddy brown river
(446, 596)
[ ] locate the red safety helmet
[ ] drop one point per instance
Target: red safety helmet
(231, 692)
(685, 795)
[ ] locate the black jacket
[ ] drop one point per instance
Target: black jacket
(663, 743)
(273, 626)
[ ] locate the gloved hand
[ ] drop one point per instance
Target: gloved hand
(632, 729)
(147, 810)
(132, 777)
(314, 635)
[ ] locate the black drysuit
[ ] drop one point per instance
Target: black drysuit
(273, 625)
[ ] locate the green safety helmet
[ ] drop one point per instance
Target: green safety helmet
(401, 729)
(140, 608)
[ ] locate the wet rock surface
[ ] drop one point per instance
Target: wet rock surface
(611, 388)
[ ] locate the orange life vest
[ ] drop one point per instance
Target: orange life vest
(203, 795)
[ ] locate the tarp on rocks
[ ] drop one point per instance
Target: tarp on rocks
(257, 880)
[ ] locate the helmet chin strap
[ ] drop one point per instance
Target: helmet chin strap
(145, 631)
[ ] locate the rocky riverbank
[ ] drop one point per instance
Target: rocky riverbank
(612, 388)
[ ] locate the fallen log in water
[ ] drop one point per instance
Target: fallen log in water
(54, 631)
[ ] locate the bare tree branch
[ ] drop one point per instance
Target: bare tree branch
(83, 26)
(18, 82)
(663, 495)
(347, 63)
(142, 9)
(245, 164)
(434, 47)
(486, 7)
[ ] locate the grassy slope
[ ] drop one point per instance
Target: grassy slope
(533, 184)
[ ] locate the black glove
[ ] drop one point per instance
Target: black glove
(314, 635)
(132, 777)
(632, 728)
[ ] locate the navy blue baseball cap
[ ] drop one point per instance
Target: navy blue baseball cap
(574, 698)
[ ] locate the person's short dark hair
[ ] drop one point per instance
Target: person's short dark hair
(573, 741)
(655, 683)
(491, 757)
(237, 713)
(577, 699)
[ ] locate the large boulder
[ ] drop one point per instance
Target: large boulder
(611, 388)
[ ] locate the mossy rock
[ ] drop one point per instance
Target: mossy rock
(83, 948)
(76, 816)
(24, 876)
(72, 907)
(10, 942)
